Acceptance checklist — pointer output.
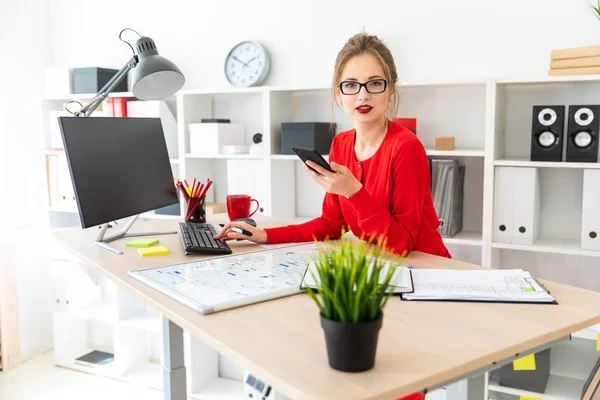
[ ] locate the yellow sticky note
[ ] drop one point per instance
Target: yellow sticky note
(529, 398)
(526, 363)
(153, 251)
(598, 343)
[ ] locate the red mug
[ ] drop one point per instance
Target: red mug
(238, 206)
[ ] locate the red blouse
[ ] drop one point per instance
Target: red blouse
(394, 203)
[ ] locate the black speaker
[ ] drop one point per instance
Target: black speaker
(582, 133)
(547, 129)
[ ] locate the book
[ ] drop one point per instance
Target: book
(401, 281)
(574, 71)
(575, 62)
(492, 285)
(95, 358)
(575, 52)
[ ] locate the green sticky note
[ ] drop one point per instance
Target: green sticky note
(528, 289)
(526, 363)
(141, 243)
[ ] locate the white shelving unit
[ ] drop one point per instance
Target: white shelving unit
(491, 123)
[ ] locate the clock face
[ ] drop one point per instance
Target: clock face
(247, 64)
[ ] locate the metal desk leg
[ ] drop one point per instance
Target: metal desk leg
(175, 387)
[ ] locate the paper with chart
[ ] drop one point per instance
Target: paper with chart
(215, 284)
(513, 285)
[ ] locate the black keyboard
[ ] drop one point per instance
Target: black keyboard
(197, 237)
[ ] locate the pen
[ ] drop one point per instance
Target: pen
(238, 230)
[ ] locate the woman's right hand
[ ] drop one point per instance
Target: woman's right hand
(259, 235)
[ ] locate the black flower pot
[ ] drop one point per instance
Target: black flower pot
(351, 347)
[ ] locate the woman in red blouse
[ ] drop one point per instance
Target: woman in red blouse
(380, 184)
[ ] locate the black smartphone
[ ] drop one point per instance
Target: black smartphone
(306, 154)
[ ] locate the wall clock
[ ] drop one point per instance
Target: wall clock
(247, 64)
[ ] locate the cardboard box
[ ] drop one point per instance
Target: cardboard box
(444, 143)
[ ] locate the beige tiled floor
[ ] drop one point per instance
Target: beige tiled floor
(39, 379)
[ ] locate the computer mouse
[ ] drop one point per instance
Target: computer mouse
(247, 220)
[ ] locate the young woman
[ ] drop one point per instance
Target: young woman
(380, 185)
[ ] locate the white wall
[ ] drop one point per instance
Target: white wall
(434, 39)
(24, 55)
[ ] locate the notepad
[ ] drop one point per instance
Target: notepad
(514, 285)
(141, 243)
(153, 251)
(401, 281)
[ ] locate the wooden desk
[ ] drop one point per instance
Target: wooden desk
(421, 344)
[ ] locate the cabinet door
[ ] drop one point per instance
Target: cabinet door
(590, 214)
(526, 205)
(503, 204)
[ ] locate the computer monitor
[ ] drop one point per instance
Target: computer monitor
(120, 168)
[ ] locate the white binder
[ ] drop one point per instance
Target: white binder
(590, 213)
(526, 206)
(503, 205)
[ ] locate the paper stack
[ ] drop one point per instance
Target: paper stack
(514, 285)
(575, 61)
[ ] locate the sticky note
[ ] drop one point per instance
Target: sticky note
(598, 343)
(153, 251)
(526, 363)
(528, 289)
(142, 243)
(529, 398)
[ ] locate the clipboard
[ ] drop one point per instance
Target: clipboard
(482, 286)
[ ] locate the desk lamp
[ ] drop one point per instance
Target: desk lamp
(154, 78)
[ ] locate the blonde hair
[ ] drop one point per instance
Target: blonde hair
(363, 43)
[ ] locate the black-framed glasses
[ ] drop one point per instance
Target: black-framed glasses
(375, 86)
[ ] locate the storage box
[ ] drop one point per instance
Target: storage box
(209, 138)
(444, 143)
(315, 135)
(91, 80)
(534, 380)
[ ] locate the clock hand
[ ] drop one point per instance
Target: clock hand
(238, 60)
(252, 59)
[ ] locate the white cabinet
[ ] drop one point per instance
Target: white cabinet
(590, 216)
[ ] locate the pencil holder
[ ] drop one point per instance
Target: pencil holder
(195, 209)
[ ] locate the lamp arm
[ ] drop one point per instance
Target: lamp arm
(89, 108)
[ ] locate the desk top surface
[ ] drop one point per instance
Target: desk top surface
(421, 344)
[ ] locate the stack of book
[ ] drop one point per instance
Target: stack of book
(575, 61)
(447, 183)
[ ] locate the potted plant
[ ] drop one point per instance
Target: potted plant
(350, 287)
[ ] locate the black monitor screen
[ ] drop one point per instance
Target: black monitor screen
(120, 166)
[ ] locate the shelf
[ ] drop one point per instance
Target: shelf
(558, 388)
(174, 161)
(522, 162)
(82, 96)
(456, 153)
(292, 157)
(98, 312)
(468, 238)
(109, 370)
(550, 79)
(220, 389)
(63, 209)
(590, 333)
(555, 246)
(226, 156)
(151, 323)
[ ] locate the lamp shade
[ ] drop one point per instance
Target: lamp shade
(155, 77)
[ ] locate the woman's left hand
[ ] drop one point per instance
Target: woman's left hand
(340, 182)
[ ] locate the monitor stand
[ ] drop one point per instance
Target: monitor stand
(103, 241)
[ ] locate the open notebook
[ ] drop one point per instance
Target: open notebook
(493, 285)
(401, 281)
